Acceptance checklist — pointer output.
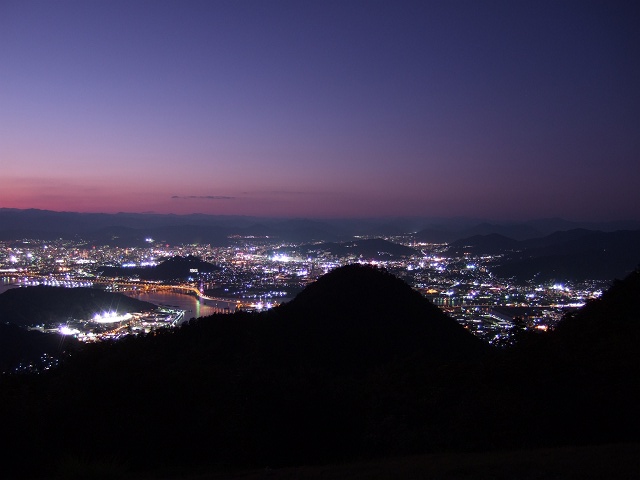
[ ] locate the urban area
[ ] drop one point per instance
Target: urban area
(256, 273)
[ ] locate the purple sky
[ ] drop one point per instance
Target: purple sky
(505, 110)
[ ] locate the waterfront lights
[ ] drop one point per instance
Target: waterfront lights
(111, 317)
(64, 330)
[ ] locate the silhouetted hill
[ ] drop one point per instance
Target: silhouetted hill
(579, 384)
(609, 324)
(357, 365)
(309, 381)
(20, 346)
(43, 304)
(175, 268)
(358, 317)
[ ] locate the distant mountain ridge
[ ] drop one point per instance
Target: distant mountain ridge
(519, 231)
(577, 254)
(372, 249)
(131, 229)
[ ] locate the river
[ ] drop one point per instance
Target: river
(193, 307)
(6, 283)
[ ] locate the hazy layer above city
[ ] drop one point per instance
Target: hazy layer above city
(213, 229)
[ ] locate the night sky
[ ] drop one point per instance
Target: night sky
(504, 110)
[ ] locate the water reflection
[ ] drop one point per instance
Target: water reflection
(6, 283)
(193, 307)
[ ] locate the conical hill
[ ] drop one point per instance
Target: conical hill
(364, 315)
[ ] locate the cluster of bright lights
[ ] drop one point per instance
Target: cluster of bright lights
(111, 317)
(64, 330)
(56, 283)
(263, 306)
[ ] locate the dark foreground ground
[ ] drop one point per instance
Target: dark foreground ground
(589, 462)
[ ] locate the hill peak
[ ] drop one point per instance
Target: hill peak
(362, 280)
(370, 311)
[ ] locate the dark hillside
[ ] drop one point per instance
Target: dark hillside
(357, 366)
(611, 322)
(581, 382)
(313, 381)
(360, 315)
(20, 346)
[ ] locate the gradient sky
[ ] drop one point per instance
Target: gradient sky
(497, 109)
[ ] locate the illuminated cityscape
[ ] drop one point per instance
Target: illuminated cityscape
(256, 273)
